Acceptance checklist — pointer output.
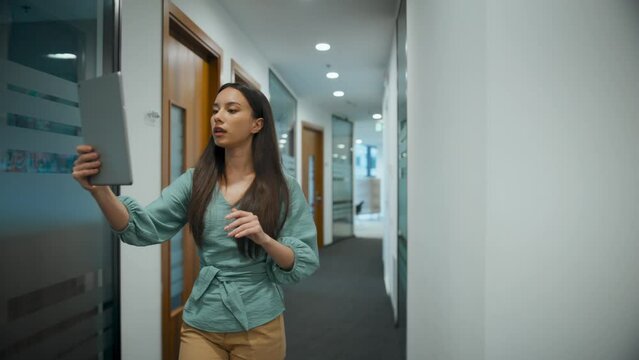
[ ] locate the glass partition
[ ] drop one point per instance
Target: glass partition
(402, 165)
(342, 149)
(285, 114)
(59, 270)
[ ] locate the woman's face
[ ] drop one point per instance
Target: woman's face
(232, 122)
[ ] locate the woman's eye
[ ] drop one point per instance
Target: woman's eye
(232, 111)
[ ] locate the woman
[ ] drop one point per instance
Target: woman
(252, 225)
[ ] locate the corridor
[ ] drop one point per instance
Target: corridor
(342, 311)
(471, 168)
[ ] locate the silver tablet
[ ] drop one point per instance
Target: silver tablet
(104, 127)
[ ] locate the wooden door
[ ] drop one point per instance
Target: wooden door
(313, 175)
(190, 80)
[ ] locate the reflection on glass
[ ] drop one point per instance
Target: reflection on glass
(178, 116)
(284, 107)
(59, 287)
(342, 179)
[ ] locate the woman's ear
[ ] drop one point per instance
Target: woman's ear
(257, 125)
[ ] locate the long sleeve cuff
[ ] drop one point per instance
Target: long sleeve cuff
(127, 202)
(306, 263)
(133, 234)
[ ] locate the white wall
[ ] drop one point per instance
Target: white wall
(141, 284)
(524, 165)
(446, 180)
(365, 129)
(141, 68)
(389, 182)
(563, 176)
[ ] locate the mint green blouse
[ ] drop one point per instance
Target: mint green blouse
(232, 292)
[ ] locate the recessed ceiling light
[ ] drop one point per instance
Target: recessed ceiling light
(343, 157)
(332, 75)
(282, 141)
(322, 47)
(338, 93)
(284, 136)
(358, 141)
(377, 116)
(335, 156)
(341, 146)
(64, 56)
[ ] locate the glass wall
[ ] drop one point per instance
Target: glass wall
(59, 269)
(285, 114)
(402, 165)
(178, 125)
(342, 149)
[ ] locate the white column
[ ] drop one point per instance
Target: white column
(563, 173)
(141, 268)
(523, 172)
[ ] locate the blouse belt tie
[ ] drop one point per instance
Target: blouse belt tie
(230, 294)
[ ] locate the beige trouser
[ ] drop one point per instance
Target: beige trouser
(265, 342)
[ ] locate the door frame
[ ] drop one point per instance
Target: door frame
(174, 20)
(238, 71)
(319, 129)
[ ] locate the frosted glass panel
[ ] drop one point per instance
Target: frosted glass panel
(177, 272)
(178, 118)
(311, 183)
(177, 141)
(59, 269)
(342, 149)
(284, 107)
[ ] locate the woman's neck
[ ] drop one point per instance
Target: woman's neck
(238, 163)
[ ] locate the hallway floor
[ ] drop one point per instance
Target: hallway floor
(342, 311)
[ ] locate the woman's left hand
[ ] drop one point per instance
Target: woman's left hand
(246, 224)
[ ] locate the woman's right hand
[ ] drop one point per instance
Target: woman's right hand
(86, 165)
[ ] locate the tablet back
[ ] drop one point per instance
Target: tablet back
(104, 127)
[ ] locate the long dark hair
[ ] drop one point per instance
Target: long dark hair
(268, 192)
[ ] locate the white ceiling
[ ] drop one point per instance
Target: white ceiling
(359, 32)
